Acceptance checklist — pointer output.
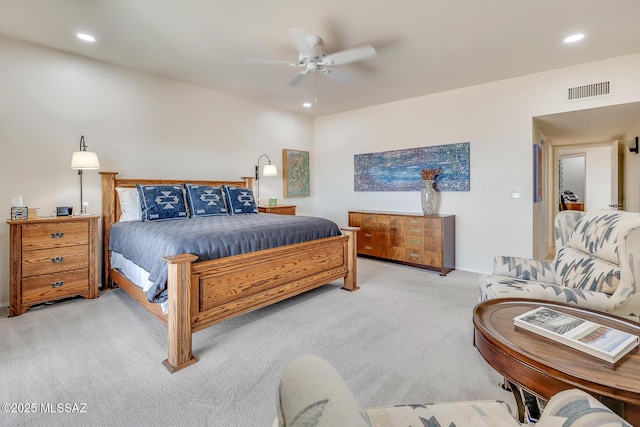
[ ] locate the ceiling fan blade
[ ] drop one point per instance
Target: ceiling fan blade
(295, 79)
(268, 61)
(350, 55)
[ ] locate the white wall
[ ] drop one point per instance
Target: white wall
(496, 118)
(139, 124)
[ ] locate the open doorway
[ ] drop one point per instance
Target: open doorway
(593, 132)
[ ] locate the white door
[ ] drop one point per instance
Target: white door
(617, 176)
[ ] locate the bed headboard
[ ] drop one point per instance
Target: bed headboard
(111, 205)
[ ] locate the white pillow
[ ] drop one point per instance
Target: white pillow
(129, 204)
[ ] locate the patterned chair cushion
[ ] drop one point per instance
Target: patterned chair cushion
(596, 233)
(476, 414)
(576, 269)
(494, 286)
(574, 408)
(522, 268)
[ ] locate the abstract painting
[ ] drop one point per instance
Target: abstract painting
(296, 173)
(399, 170)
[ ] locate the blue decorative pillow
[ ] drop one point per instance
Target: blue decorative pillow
(240, 200)
(159, 202)
(205, 200)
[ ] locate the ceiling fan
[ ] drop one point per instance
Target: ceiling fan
(312, 59)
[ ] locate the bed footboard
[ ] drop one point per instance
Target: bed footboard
(204, 293)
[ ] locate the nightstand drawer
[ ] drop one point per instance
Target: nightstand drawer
(43, 261)
(55, 234)
(54, 286)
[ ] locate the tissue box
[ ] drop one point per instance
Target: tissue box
(273, 201)
(21, 212)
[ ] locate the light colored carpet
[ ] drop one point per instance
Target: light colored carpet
(405, 337)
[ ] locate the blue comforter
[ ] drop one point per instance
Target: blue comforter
(145, 243)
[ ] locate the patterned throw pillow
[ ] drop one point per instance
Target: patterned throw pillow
(160, 202)
(240, 200)
(205, 200)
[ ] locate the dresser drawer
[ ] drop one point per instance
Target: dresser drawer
(54, 286)
(373, 238)
(43, 261)
(408, 221)
(371, 249)
(54, 234)
(416, 256)
(374, 222)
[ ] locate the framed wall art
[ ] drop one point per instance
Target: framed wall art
(295, 175)
(399, 170)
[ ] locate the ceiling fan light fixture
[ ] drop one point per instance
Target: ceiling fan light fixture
(574, 38)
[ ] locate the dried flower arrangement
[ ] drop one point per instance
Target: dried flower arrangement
(429, 174)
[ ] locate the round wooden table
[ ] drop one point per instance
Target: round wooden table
(545, 367)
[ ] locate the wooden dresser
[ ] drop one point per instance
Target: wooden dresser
(407, 238)
(52, 258)
(280, 209)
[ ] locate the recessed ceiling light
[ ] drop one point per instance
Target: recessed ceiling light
(86, 37)
(574, 38)
(307, 105)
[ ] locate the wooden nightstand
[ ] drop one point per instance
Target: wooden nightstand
(52, 258)
(279, 210)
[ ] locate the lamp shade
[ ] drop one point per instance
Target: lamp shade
(84, 160)
(269, 170)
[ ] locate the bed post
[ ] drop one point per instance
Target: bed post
(248, 181)
(108, 219)
(179, 318)
(351, 279)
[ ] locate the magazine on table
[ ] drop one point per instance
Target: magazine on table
(606, 343)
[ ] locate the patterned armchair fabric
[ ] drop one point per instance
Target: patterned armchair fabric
(597, 265)
(312, 393)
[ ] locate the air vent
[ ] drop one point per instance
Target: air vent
(589, 91)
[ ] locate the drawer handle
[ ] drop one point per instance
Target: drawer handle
(368, 217)
(414, 221)
(368, 235)
(367, 226)
(415, 241)
(57, 259)
(369, 248)
(414, 230)
(414, 255)
(57, 235)
(57, 284)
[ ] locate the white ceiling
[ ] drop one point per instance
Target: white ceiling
(424, 46)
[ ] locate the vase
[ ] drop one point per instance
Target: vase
(428, 197)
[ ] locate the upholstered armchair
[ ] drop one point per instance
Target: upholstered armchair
(596, 266)
(312, 393)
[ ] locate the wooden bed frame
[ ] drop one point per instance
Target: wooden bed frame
(204, 293)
